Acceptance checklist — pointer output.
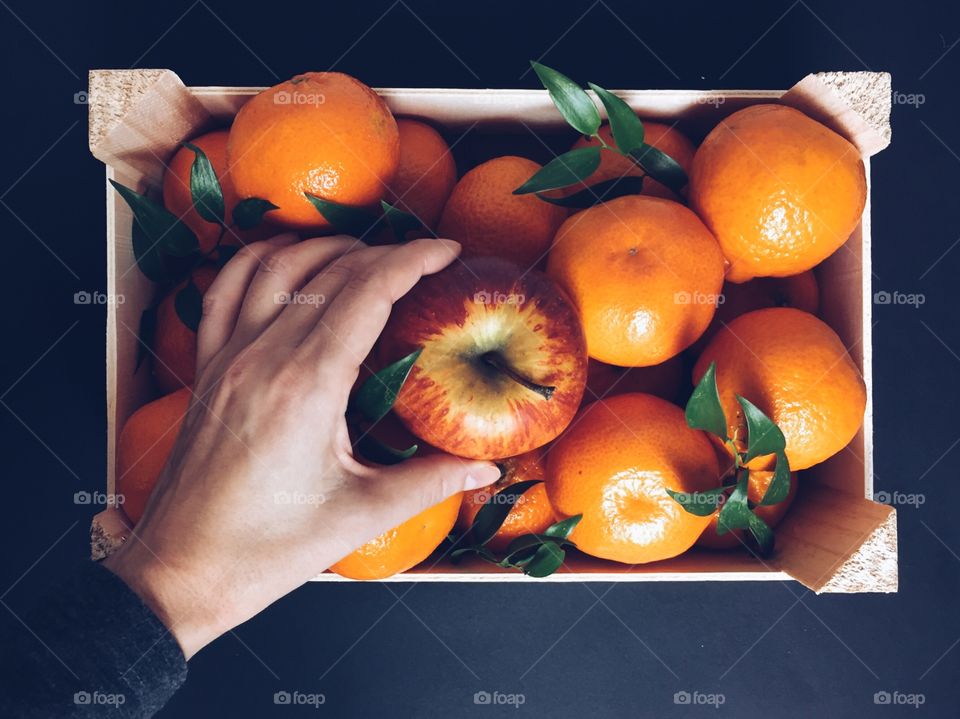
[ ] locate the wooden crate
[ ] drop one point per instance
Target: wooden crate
(834, 539)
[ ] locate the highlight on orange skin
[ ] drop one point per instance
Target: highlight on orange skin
(323, 133)
(645, 274)
(453, 399)
(613, 466)
(530, 514)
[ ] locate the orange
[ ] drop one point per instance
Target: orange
(662, 380)
(175, 344)
(485, 216)
(530, 514)
(798, 291)
(323, 133)
(178, 199)
(645, 274)
(613, 165)
(426, 174)
(780, 191)
(757, 483)
(143, 447)
(613, 466)
(403, 546)
(795, 369)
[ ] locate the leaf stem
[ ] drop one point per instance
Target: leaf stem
(495, 360)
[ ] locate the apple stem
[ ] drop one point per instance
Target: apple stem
(495, 360)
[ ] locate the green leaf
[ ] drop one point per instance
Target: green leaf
(378, 393)
(704, 410)
(495, 510)
(482, 552)
(701, 504)
(372, 449)
(660, 166)
(189, 305)
(562, 529)
(345, 219)
(249, 213)
(146, 333)
(779, 486)
(399, 221)
(522, 549)
(547, 560)
(764, 437)
(205, 187)
(600, 192)
(762, 534)
(735, 513)
(225, 253)
(156, 232)
(571, 100)
(567, 169)
(626, 126)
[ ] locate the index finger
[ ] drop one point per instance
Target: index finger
(347, 331)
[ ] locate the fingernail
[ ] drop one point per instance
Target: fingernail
(451, 245)
(481, 475)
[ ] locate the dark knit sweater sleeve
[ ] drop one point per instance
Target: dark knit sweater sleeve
(90, 648)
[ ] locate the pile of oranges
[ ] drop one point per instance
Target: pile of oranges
(666, 283)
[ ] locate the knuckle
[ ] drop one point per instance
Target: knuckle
(211, 303)
(249, 253)
(361, 280)
(276, 263)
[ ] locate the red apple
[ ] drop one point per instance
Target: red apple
(504, 359)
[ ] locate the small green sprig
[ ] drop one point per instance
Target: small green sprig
(705, 412)
(167, 251)
(366, 225)
(536, 555)
(372, 402)
(575, 166)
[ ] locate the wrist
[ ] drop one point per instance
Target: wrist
(175, 598)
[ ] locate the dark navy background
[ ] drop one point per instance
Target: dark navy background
(569, 649)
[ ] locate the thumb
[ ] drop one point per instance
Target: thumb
(421, 482)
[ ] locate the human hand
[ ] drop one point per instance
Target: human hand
(214, 546)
